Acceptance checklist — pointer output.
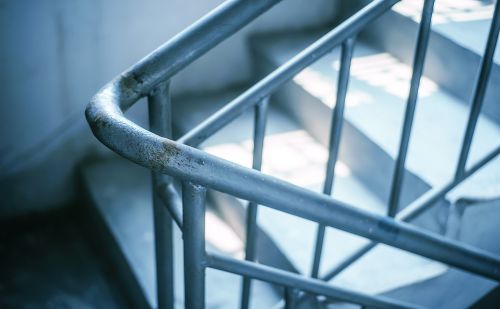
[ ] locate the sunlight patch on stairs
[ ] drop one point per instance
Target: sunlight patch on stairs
(292, 156)
(380, 70)
(446, 11)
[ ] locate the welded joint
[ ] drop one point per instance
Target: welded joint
(456, 214)
(161, 87)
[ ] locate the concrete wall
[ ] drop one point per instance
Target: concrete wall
(56, 54)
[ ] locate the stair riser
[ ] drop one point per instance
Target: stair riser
(105, 241)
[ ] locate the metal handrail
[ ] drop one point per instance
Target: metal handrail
(200, 170)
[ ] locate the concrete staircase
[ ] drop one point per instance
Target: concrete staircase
(295, 150)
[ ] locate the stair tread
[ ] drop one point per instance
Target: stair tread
(291, 154)
(465, 22)
(121, 192)
(375, 105)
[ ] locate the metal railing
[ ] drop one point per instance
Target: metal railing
(199, 170)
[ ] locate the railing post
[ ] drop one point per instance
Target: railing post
(418, 64)
(159, 107)
(334, 143)
(479, 91)
(290, 298)
(193, 201)
(418, 68)
(260, 121)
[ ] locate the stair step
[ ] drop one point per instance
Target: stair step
(375, 106)
(292, 154)
(120, 194)
(458, 38)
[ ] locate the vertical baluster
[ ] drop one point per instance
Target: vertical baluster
(290, 298)
(479, 91)
(193, 201)
(159, 107)
(334, 143)
(251, 218)
(418, 67)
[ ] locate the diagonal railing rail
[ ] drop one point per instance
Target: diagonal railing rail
(199, 170)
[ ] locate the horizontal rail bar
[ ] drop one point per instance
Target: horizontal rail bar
(264, 88)
(288, 279)
(413, 210)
